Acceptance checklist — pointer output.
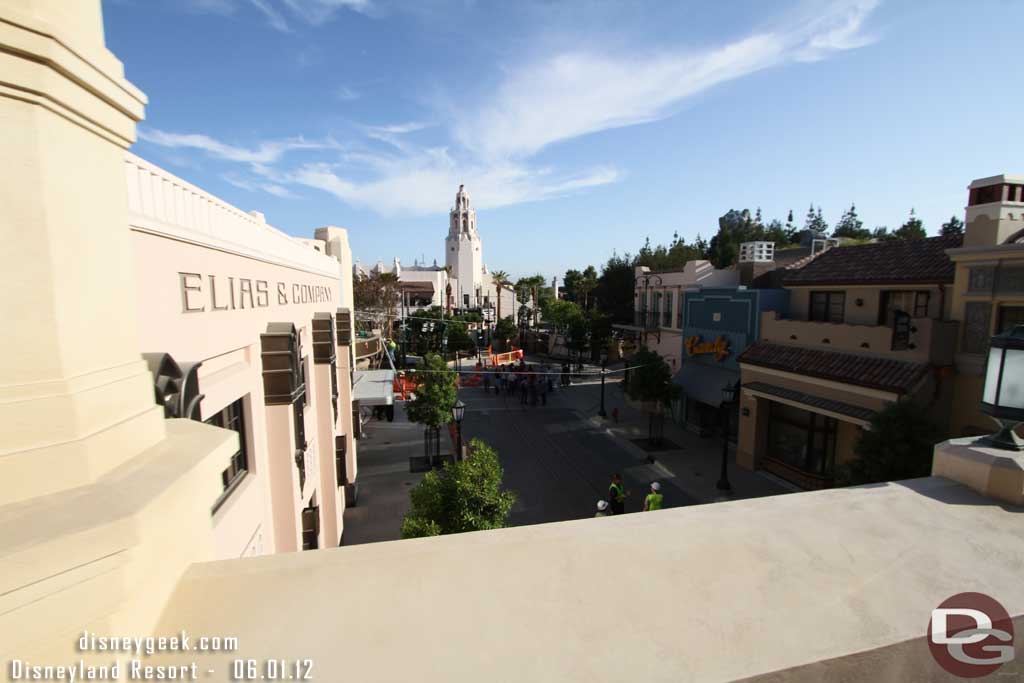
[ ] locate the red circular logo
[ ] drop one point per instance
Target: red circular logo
(970, 635)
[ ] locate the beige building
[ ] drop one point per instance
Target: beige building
(867, 325)
(248, 329)
(988, 293)
(105, 503)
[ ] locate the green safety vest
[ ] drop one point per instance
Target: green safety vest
(618, 491)
(654, 501)
(601, 514)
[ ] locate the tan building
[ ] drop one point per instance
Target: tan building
(867, 325)
(988, 294)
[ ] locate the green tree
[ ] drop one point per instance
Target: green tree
(614, 291)
(881, 232)
(816, 222)
(954, 226)
(463, 496)
(913, 229)
(570, 284)
(897, 445)
(792, 232)
(652, 381)
(586, 284)
(562, 313)
(435, 394)
(851, 226)
(505, 329)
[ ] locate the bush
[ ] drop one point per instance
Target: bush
(465, 496)
(898, 445)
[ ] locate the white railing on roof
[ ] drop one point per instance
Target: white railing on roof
(159, 201)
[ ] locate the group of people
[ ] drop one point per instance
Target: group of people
(616, 503)
(530, 382)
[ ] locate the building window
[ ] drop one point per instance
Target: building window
(1009, 317)
(828, 307)
(679, 312)
(912, 303)
(1010, 280)
(981, 279)
(977, 326)
(985, 195)
(233, 418)
(668, 309)
(465, 300)
(802, 439)
(310, 527)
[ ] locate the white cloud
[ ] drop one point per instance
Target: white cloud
(265, 153)
(317, 12)
(274, 18)
(269, 188)
(312, 12)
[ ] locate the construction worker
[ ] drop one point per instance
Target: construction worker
(654, 499)
(617, 495)
(602, 508)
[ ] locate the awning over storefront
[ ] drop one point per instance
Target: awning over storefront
(703, 382)
(816, 404)
(373, 387)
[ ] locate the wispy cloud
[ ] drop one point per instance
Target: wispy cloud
(265, 153)
(311, 12)
(346, 94)
(250, 186)
(571, 94)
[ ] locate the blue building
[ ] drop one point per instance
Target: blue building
(718, 325)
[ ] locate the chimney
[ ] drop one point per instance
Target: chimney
(755, 259)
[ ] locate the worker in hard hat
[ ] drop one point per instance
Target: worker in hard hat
(602, 509)
(654, 499)
(617, 495)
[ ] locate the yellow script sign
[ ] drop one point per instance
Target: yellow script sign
(719, 347)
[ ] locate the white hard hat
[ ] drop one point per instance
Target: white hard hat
(655, 486)
(602, 505)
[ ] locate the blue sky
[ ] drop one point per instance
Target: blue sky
(579, 128)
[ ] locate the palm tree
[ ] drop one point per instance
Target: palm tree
(389, 296)
(500, 280)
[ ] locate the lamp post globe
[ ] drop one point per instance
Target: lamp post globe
(458, 412)
(1003, 395)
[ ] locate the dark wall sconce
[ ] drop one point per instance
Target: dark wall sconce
(859, 302)
(746, 412)
(793, 337)
(826, 340)
(865, 345)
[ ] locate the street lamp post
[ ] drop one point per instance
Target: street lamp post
(604, 365)
(458, 412)
(644, 313)
(728, 398)
(1003, 395)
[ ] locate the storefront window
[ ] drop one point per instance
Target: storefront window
(801, 439)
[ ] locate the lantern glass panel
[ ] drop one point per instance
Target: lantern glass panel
(995, 360)
(1012, 393)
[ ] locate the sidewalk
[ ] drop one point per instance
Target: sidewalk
(696, 463)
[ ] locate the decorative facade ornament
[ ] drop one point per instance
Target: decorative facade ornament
(283, 378)
(176, 387)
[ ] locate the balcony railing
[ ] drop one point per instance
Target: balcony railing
(921, 340)
(648, 320)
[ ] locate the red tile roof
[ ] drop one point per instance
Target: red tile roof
(893, 261)
(885, 374)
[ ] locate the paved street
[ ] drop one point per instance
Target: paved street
(558, 459)
(558, 463)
